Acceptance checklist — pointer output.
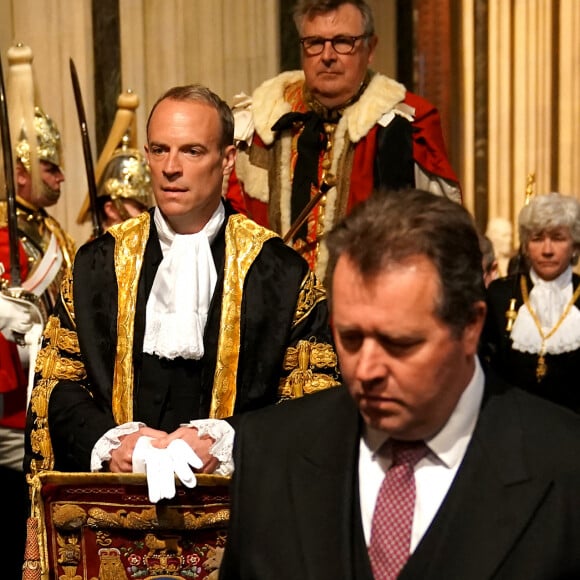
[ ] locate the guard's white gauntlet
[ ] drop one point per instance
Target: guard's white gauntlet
(16, 315)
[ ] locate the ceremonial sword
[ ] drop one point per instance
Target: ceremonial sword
(96, 220)
(14, 291)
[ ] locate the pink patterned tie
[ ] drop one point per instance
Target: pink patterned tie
(393, 516)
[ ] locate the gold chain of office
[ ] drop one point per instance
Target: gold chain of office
(542, 367)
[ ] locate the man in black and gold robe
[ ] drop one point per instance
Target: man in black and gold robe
(158, 326)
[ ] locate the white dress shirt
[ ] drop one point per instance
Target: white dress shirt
(434, 473)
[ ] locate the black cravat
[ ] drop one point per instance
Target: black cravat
(310, 143)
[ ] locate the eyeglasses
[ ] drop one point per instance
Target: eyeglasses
(314, 45)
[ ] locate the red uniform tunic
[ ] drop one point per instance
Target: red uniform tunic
(13, 380)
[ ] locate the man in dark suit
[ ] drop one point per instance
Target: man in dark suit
(497, 491)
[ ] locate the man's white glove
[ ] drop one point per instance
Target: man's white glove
(160, 477)
(184, 459)
(16, 315)
(158, 466)
(162, 465)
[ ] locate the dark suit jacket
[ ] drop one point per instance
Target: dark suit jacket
(512, 512)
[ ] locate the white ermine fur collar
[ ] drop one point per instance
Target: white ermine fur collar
(380, 97)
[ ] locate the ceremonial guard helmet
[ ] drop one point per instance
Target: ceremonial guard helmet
(48, 143)
(122, 172)
(126, 176)
(27, 118)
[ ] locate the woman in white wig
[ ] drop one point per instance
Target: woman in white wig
(532, 334)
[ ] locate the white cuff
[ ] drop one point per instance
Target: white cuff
(111, 440)
(223, 435)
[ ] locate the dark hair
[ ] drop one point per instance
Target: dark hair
(392, 226)
(197, 93)
(310, 8)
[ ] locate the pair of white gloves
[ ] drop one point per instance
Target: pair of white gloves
(162, 465)
(16, 314)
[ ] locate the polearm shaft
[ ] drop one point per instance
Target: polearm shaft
(15, 274)
(324, 187)
(92, 186)
(303, 216)
(511, 312)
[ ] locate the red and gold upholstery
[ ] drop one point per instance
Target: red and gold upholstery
(101, 526)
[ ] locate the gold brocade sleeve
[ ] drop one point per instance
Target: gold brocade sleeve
(311, 364)
(56, 361)
(311, 293)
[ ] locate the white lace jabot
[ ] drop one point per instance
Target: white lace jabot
(548, 299)
(178, 305)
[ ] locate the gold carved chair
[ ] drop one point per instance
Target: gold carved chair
(102, 526)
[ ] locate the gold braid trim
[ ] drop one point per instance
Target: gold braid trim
(244, 241)
(52, 365)
(40, 437)
(302, 360)
(130, 241)
(58, 338)
(311, 293)
(65, 242)
(542, 367)
(52, 368)
(147, 519)
(36, 561)
(66, 295)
